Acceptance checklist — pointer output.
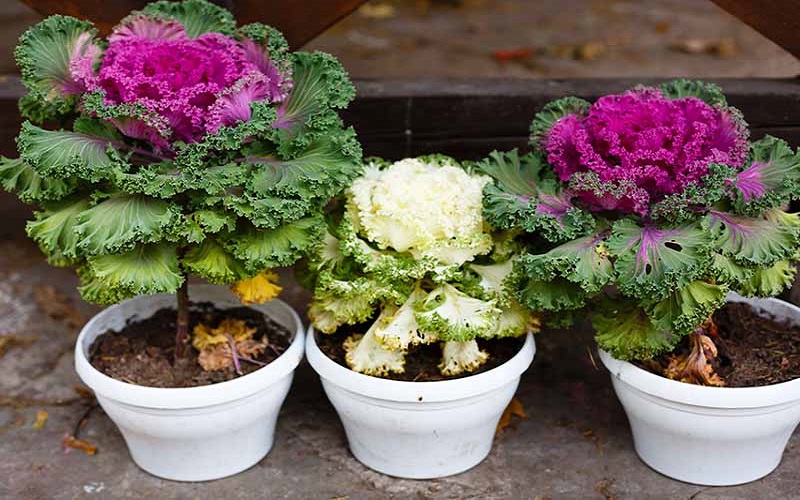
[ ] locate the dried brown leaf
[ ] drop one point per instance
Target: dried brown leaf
(79, 444)
(514, 409)
(10, 340)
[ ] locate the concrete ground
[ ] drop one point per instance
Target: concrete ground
(575, 443)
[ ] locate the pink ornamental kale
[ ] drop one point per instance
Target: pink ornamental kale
(631, 150)
(194, 85)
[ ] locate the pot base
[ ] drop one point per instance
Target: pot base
(420, 430)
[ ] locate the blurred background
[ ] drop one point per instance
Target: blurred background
(527, 38)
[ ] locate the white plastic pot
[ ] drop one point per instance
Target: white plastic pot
(713, 436)
(419, 430)
(194, 433)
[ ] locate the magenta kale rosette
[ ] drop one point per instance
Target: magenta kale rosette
(187, 145)
(646, 208)
(626, 152)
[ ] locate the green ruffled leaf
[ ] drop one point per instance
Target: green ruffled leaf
(583, 261)
(146, 269)
(557, 294)
(751, 240)
(64, 154)
(120, 222)
(272, 42)
(43, 56)
(196, 16)
(553, 111)
(54, 230)
(771, 180)
(524, 197)
(260, 249)
(20, 178)
(770, 281)
(203, 222)
(727, 271)
(625, 331)
(269, 212)
(652, 263)
(320, 84)
(708, 92)
(689, 307)
(321, 170)
(211, 261)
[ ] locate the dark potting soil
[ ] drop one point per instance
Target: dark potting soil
(754, 348)
(422, 361)
(142, 352)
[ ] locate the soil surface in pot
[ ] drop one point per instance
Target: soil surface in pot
(142, 352)
(754, 348)
(422, 361)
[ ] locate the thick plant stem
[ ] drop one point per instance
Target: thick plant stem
(182, 323)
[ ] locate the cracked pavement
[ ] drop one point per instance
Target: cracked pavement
(575, 443)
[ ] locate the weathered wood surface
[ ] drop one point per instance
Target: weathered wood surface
(299, 21)
(778, 20)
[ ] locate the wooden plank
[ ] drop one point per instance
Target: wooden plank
(299, 21)
(778, 20)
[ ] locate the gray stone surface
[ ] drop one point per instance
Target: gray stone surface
(575, 443)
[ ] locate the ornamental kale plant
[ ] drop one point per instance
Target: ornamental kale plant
(647, 208)
(410, 260)
(180, 145)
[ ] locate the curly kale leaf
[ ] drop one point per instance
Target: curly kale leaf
(196, 16)
(147, 269)
(87, 153)
(772, 178)
(710, 93)
(20, 178)
(624, 330)
(553, 111)
(651, 263)
(44, 55)
(752, 240)
(53, 230)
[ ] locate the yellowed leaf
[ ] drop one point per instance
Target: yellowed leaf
(41, 419)
(258, 289)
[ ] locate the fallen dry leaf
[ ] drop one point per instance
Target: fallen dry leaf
(514, 409)
(377, 10)
(10, 340)
(58, 306)
(590, 51)
(604, 488)
(79, 444)
(724, 47)
(520, 54)
(41, 419)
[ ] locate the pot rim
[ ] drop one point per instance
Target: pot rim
(418, 392)
(174, 398)
(711, 397)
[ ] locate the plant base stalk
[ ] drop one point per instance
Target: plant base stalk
(182, 323)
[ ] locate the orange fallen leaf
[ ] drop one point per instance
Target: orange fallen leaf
(79, 444)
(514, 409)
(512, 54)
(41, 419)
